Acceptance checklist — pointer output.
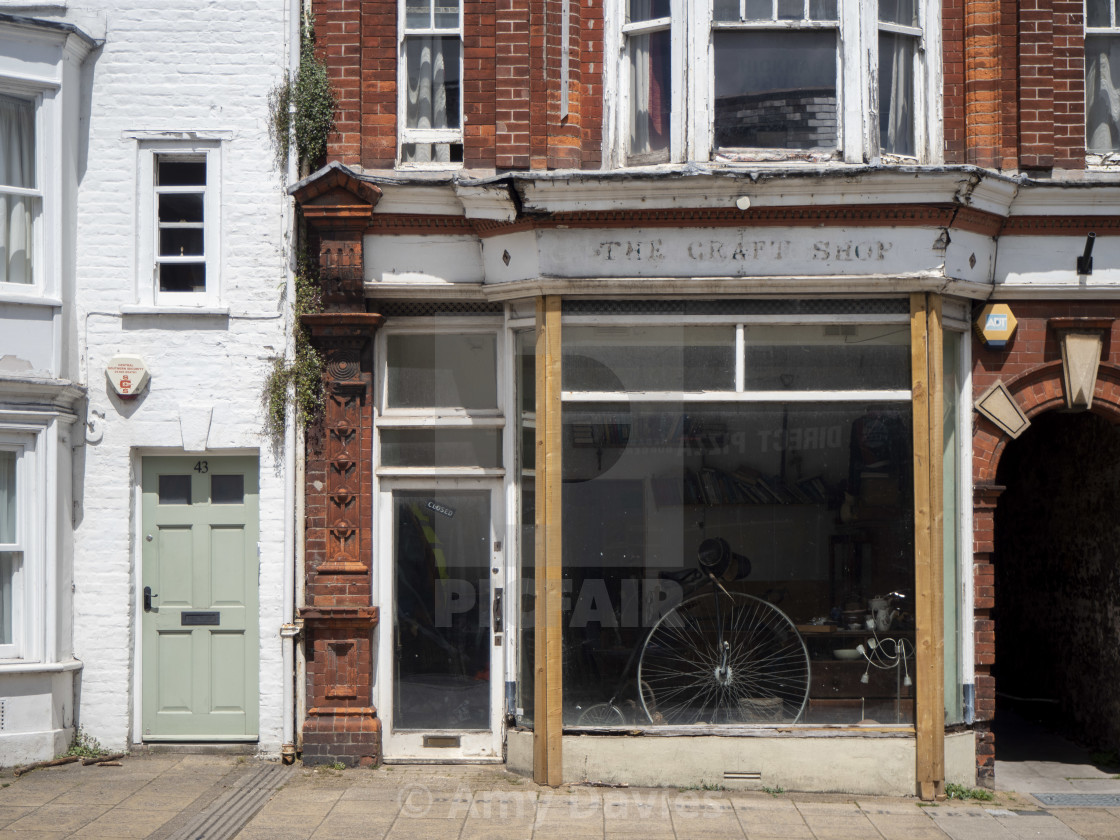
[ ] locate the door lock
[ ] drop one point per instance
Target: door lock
(148, 598)
(498, 610)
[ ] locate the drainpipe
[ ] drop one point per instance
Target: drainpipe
(301, 588)
(289, 630)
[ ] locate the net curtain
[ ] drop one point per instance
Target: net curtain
(1102, 94)
(17, 169)
(648, 127)
(428, 59)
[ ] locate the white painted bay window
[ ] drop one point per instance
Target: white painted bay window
(431, 71)
(775, 80)
(20, 196)
(16, 593)
(1102, 76)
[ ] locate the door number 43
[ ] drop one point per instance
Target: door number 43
(202, 467)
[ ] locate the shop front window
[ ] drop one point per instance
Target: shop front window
(737, 523)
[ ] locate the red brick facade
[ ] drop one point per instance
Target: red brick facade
(512, 70)
(1014, 83)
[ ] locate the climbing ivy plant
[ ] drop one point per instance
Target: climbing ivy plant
(304, 374)
(315, 104)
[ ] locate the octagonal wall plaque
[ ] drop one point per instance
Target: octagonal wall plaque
(127, 375)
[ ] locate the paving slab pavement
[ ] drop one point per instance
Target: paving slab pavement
(158, 796)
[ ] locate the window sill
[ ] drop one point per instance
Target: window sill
(203, 311)
(30, 298)
(20, 666)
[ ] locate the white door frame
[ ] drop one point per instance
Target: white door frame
(407, 746)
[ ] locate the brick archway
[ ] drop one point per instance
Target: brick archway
(1036, 391)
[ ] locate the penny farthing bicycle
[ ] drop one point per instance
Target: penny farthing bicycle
(718, 657)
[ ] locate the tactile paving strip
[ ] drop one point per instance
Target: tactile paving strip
(229, 813)
(1079, 800)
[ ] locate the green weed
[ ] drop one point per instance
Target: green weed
(84, 746)
(955, 791)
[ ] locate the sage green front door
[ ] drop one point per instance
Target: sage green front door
(198, 597)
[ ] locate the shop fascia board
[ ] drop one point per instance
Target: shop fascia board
(1035, 266)
(1066, 198)
(694, 188)
(504, 197)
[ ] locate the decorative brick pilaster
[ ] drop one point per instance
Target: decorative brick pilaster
(342, 723)
(339, 619)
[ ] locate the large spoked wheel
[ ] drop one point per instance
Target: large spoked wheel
(724, 659)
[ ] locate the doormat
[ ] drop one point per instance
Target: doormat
(1079, 800)
(229, 813)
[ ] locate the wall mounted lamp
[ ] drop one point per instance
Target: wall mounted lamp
(1085, 261)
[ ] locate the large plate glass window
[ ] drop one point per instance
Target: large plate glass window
(738, 519)
(1102, 76)
(20, 196)
(431, 82)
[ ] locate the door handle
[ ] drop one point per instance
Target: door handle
(148, 598)
(498, 612)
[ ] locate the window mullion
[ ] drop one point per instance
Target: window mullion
(854, 93)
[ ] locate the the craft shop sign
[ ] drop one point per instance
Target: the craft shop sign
(777, 252)
(744, 250)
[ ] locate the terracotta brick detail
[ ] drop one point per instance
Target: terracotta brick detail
(341, 725)
(338, 620)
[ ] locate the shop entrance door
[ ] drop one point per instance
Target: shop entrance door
(440, 663)
(198, 598)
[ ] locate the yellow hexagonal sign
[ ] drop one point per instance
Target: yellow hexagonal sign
(995, 324)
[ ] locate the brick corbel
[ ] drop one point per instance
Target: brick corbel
(338, 205)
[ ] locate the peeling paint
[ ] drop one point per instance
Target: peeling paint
(14, 364)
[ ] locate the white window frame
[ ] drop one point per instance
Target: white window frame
(27, 582)
(406, 135)
(693, 96)
(918, 34)
(389, 417)
(46, 224)
(149, 152)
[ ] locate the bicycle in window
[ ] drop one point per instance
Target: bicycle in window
(718, 657)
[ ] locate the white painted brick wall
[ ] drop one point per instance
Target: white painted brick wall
(192, 66)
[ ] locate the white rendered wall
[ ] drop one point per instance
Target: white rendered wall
(204, 68)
